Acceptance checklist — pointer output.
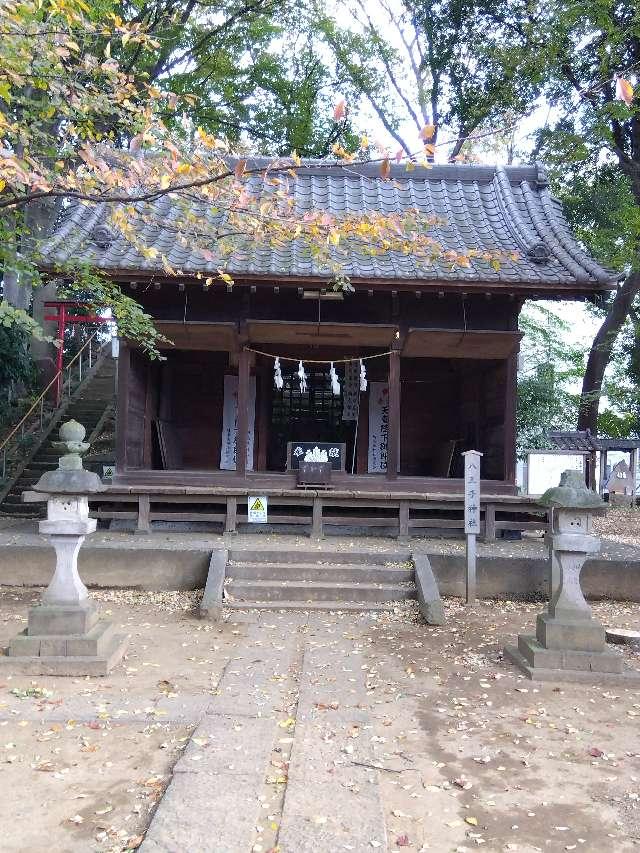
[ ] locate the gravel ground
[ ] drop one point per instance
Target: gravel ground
(620, 524)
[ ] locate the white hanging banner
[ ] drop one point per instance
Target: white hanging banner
(350, 391)
(378, 424)
(230, 423)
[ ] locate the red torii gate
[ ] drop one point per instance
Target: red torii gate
(63, 318)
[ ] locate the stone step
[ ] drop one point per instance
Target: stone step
(331, 572)
(278, 590)
(348, 606)
(309, 555)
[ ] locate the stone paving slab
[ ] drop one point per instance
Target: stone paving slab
(209, 817)
(227, 745)
(212, 804)
(330, 803)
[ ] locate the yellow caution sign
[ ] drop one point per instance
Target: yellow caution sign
(257, 506)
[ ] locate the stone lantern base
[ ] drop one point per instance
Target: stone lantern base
(65, 640)
(585, 667)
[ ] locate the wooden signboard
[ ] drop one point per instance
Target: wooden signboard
(316, 451)
(471, 517)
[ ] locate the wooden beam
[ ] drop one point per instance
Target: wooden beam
(393, 434)
(242, 437)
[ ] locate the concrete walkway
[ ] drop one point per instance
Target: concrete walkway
(261, 720)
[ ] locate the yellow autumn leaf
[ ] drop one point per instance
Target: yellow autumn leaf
(385, 169)
(2, 184)
(624, 91)
(165, 182)
(473, 821)
(427, 132)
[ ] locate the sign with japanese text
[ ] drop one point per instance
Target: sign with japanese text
(378, 427)
(351, 391)
(472, 491)
(315, 451)
(257, 509)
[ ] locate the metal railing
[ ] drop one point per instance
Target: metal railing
(64, 382)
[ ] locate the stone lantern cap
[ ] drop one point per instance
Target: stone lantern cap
(70, 478)
(572, 493)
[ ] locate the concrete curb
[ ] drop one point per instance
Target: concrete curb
(211, 604)
(427, 591)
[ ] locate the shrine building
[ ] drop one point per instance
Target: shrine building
(399, 377)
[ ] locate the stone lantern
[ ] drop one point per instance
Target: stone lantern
(65, 635)
(569, 644)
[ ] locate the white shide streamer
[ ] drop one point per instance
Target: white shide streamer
(335, 382)
(278, 381)
(303, 377)
(363, 376)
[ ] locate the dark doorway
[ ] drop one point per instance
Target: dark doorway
(313, 415)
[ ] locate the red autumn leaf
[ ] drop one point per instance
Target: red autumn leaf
(594, 752)
(240, 168)
(385, 169)
(624, 91)
(399, 154)
(402, 841)
(340, 110)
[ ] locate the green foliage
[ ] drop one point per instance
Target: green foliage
(99, 292)
(546, 396)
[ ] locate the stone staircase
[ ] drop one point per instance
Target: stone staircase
(89, 404)
(317, 580)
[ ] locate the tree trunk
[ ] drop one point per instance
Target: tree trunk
(600, 353)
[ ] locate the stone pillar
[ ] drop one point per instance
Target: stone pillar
(65, 635)
(569, 644)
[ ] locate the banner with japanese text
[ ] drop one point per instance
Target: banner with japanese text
(230, 423)
(378, 427)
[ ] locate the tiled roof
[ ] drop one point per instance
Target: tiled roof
(481, 207)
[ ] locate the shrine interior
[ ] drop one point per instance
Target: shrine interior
(446, 406)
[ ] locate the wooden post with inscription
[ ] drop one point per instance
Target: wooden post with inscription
(471, 517)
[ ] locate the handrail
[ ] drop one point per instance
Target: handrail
(40, 400)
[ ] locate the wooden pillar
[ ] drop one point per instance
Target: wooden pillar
(122, 407)
(511, 392)
(403, 521)
(393, 435)
(242, 436)
(490, 523)
(230, 522)
(316, 518)
(263, 378)
(144, 507)
(603, 470)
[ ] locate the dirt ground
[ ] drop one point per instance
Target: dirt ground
(620, 524)
(471, 754)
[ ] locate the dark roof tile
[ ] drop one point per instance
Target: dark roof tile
(482, 207)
